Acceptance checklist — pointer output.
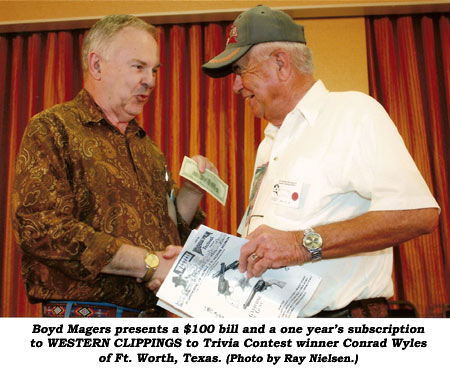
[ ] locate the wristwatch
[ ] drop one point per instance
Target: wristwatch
(312, 241)
(151, 262)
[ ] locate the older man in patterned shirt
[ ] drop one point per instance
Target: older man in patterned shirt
(93, 213)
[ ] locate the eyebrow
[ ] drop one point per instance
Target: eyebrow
(157, 66)
(138, 61)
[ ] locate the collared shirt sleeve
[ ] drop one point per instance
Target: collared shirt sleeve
(393, 179)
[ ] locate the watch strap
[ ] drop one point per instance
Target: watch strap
(316, 253)
(148, 274)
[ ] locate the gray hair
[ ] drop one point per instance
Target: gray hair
(99, 36)
(300, 54)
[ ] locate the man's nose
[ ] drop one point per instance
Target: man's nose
(237, 85)
(148, 79)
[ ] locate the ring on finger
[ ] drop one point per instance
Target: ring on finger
(254, 257)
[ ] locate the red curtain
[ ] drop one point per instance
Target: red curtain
(409, 72)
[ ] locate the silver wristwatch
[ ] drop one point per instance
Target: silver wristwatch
(312, 241)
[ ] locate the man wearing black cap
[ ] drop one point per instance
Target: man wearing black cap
(334, 186)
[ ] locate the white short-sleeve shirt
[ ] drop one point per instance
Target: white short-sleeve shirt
(336, 156)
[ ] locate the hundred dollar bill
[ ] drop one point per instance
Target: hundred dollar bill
(208, 181)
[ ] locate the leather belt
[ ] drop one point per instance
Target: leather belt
(368, 308)
(81, 309)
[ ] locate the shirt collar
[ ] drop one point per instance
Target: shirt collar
(309, 107)
(271, 131)
(311, 104)
(91, 114)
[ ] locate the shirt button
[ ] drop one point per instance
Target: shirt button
(275, 158)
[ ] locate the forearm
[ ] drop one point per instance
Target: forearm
(375, 231)
(188, 200)
(128, 261)
(367, 233)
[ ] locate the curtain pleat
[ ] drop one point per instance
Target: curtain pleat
(407, 74)
(4, 149)
(11, 292)
(444, 28)
(214, 96)
(177, 123)
(196, 91)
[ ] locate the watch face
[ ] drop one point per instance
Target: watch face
(152, 260)
(312, 241)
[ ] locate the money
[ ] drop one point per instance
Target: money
(207, 180)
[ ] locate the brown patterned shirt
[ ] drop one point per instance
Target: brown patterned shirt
(82, 189)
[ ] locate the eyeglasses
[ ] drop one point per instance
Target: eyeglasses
(239, 70)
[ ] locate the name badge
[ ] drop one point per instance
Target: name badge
(286, 193)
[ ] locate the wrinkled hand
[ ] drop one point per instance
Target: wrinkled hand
(270, 248)
(166, 259)
(203, 164)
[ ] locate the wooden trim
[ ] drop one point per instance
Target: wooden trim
(297, 12)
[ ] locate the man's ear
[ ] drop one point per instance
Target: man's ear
(94, 65)
(284, 64)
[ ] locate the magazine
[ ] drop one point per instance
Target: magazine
(205, 282)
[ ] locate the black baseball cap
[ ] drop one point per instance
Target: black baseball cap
(254, 26)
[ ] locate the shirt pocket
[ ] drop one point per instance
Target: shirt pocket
(302, 173)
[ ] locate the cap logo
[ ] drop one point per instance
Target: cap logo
(232, 36)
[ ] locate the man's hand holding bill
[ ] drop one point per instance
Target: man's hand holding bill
(201, 175)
